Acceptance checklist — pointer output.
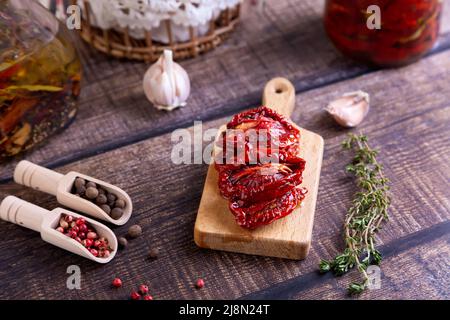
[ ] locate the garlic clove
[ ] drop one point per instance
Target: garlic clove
(350, 109)
(166, 84)
(184, 85)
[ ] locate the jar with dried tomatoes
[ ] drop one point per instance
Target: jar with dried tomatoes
(385, 33)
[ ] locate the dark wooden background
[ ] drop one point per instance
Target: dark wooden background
(120, 138)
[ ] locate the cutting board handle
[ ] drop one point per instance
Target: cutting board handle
(279, 94)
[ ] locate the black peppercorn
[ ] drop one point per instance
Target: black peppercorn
(91, 184)
(134, 231)
(81, 190)
(116, 213)
(79, 182)
(101, 199)
(106, 208)
(122, 242)
(120, 203)
(153, 253)
(111, 197)
(91, 192)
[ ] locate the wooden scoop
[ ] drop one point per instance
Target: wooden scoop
(28, 215)
(288, 237)
(54, 183)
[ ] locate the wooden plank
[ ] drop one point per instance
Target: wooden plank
(286, 39)
(290, 237)
(408, 120)
(420, 273)
(414, 267)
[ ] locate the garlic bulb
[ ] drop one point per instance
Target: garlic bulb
(350, 109)
(166, 83)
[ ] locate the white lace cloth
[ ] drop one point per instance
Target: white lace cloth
(140, 15)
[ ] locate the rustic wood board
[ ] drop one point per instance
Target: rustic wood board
(408, 121)
(289, 237)
(114, 112)
(413, 268)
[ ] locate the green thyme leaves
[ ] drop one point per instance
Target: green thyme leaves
(367, 212)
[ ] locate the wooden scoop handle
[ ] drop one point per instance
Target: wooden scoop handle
(279, 94)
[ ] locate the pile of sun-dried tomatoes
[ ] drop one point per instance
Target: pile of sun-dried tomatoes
(260, 170)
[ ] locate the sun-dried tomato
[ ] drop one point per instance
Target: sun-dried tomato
(262, 182)
(409, 29)
(260, 177)
(265, 212)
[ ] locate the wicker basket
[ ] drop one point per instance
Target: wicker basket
(120, 44)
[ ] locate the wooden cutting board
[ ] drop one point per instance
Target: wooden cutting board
(289, 237)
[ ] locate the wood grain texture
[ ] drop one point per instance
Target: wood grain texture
(290, 237)
(286, 38)
(414, 267)
(409, 121)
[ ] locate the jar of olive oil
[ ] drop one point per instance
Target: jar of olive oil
(39, 76)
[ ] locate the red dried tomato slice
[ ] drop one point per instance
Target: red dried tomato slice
(260, 183)
(265, 212)
(259, 166)
(280, 130)
(257, 136)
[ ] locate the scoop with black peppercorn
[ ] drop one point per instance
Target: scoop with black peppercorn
(97, 194)
(78, 191)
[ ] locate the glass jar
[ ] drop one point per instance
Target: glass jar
(39, 76)
(408, 29)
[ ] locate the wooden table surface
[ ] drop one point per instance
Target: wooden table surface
(118, 137)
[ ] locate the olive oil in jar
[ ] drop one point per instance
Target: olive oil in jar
(39, 76)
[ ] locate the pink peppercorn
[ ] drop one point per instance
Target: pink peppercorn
(143, 289)
(117, 283)
(200, 283)
(135, 295)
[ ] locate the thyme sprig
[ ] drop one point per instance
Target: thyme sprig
(364, 218)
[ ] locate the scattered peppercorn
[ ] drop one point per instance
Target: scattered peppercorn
(135, 295)
(134, 231)
(117, 283)
(153, 253)
(143, 289)
(123, 242)
(200, 283)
